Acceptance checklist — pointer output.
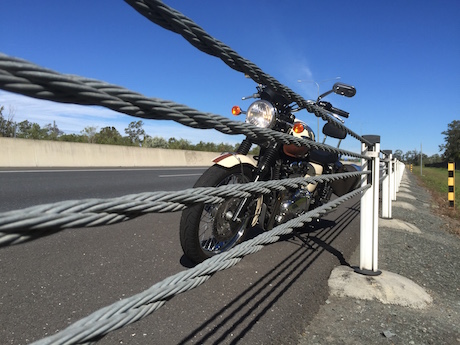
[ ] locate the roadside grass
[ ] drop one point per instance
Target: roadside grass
(435, 180)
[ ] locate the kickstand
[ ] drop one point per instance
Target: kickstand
(304, 240)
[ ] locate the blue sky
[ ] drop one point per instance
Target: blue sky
(403, 57)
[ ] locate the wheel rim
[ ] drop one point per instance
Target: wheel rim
(217, 231)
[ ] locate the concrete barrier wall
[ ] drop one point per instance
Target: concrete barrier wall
(43, 153)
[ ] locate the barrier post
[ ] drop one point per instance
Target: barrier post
(394, 167)
(451, 183)
(368, 246)
(386, 185)
(398, 177)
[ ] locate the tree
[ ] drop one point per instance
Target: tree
(7, 125)
(181, 144)
(224, 147)
(135, 132)
(202, 146)
(436, 158)
(157, 142)
(108, 135)
(76, 138)
(411, 157)
(452, 141)
(398, 154)
(52, 132)
(30, 130)
(89, 132)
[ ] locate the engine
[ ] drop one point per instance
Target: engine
(293, 204)
(296, 202)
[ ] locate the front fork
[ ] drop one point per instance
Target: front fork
(266, 162)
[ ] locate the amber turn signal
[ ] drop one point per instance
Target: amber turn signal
(298, 127)
(236, 110)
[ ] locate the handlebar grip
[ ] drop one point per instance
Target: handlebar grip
(328, 106)
(340, 112)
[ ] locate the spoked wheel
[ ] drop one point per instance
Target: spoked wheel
(209, 229)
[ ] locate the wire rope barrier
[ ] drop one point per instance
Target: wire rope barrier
(36, 221)
(134, 308)
(23, 77)
(171, 19)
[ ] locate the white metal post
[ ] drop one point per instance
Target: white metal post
(396, 179)
(386, 186)
(398, 176)
(394, 162)
(401, 173)
(368, 247)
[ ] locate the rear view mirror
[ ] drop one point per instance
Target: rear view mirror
(344, 89)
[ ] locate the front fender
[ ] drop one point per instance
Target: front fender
(229, 160)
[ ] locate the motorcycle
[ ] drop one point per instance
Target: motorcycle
(209, 229)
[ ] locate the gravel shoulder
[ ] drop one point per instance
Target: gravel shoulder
(430, 258)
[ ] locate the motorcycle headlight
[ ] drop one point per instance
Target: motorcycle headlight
(261, 114)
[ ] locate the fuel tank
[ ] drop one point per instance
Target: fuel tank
(300, 130)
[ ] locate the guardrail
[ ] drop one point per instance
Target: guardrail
(26, 78)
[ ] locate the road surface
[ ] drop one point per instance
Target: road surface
(49, 283)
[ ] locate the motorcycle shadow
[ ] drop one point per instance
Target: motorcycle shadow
(311, 227)
(298, 264)
(303, 234)
(311, 238)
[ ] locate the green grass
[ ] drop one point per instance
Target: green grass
(435, 179)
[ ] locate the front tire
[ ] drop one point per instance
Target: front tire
(208, 229)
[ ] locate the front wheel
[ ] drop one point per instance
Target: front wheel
(209, 229)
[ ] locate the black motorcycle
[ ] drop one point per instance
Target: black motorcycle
(209, 229)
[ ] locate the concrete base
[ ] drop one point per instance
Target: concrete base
(406, 196)
(398, 225)
(388, 288)
(404, 205)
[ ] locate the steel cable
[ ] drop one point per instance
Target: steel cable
(32, 222)
(172, 20)
(26, 78)
(134, 308)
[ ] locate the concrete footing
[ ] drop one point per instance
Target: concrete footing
(398, 225)
(388, 288)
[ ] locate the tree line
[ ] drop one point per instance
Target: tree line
(135, 135)
(450, 150)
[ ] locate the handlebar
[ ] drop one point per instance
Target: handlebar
(328, 106)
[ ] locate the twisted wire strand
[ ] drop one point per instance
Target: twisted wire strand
(23, 77)
(134, 308)
(322, 113)
(173, 20)
(22, 225)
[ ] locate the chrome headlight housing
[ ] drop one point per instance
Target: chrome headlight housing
(262, 114)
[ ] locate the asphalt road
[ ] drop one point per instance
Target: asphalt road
(49, 283)
(23, 188)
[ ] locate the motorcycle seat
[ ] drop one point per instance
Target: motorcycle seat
(323, 157)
